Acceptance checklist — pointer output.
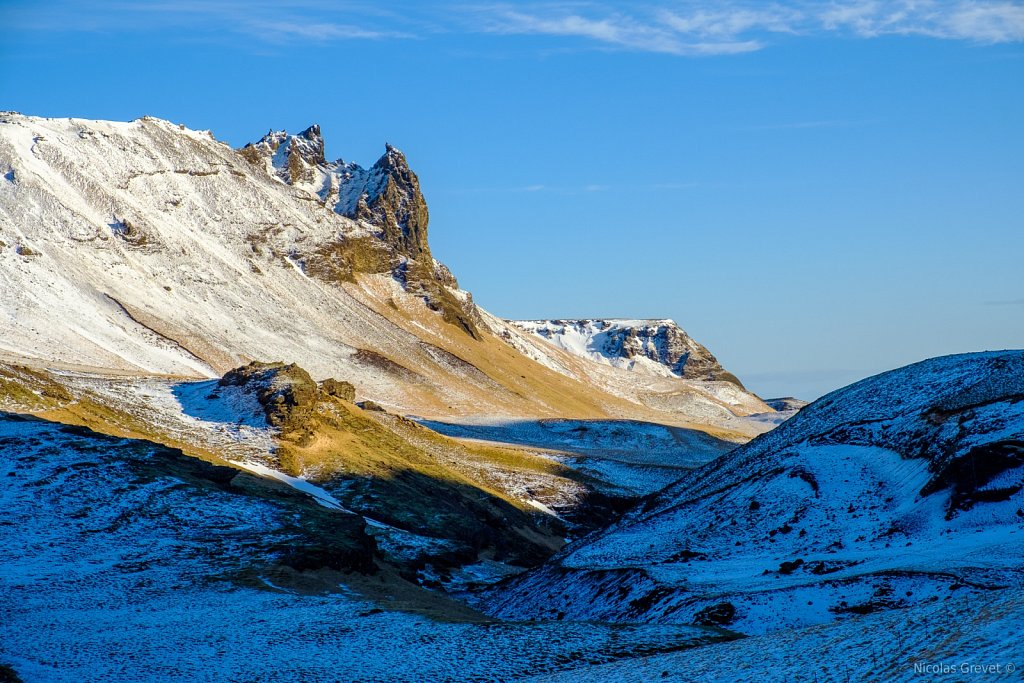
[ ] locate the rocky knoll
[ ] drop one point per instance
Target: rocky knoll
(288, 394)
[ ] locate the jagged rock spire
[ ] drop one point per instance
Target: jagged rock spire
(399, 207)
(386, 195)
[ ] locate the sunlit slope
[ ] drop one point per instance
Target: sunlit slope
(146, 248)
(441, 500)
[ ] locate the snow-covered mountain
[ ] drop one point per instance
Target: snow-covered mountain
(898, 491)
(148, 248)
(387, 194)
(147, 267)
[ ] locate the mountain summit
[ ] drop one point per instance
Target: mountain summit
(386, 195)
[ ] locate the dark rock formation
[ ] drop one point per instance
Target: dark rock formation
(385, 197)
(346, 391)
(288, 394)
(669, 345)
(398, 207)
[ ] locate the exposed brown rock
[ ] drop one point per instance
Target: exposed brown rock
(288, 394)
(346, 391)
(386, 197)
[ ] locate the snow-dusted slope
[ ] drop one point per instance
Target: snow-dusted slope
(144, 247)
(147, 248)
(654, 363)
(898, 490)
(966, 637)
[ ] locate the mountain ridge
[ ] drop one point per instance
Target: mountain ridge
(629, 342)
(156, 249)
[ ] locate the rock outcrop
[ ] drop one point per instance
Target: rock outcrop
(650, 346)
(385, 197)
(392, 200)
(288, 395)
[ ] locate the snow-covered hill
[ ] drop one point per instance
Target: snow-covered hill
(900, 490)
(877, 531)
(151, 277)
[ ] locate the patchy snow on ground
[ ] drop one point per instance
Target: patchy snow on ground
(104, 543)
(898, 491)
(962, 638)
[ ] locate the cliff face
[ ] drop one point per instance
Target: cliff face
(398, 208)
(386, 198)
(658, 347)
(387, 195)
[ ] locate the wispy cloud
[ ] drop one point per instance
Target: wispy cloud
(285, 31)
(266, 20)
(697, 28)
(680, 27)
(604, 27)
(980, 21)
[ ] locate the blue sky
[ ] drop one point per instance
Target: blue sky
(817, 191)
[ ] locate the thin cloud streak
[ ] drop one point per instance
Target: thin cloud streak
(687, 28)
(614, 30)
(266, 21)
(286, 31)
(737, 27)
(979, 21)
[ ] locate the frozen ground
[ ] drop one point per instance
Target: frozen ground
(964, 638)
(898, 491)
(105, 540)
